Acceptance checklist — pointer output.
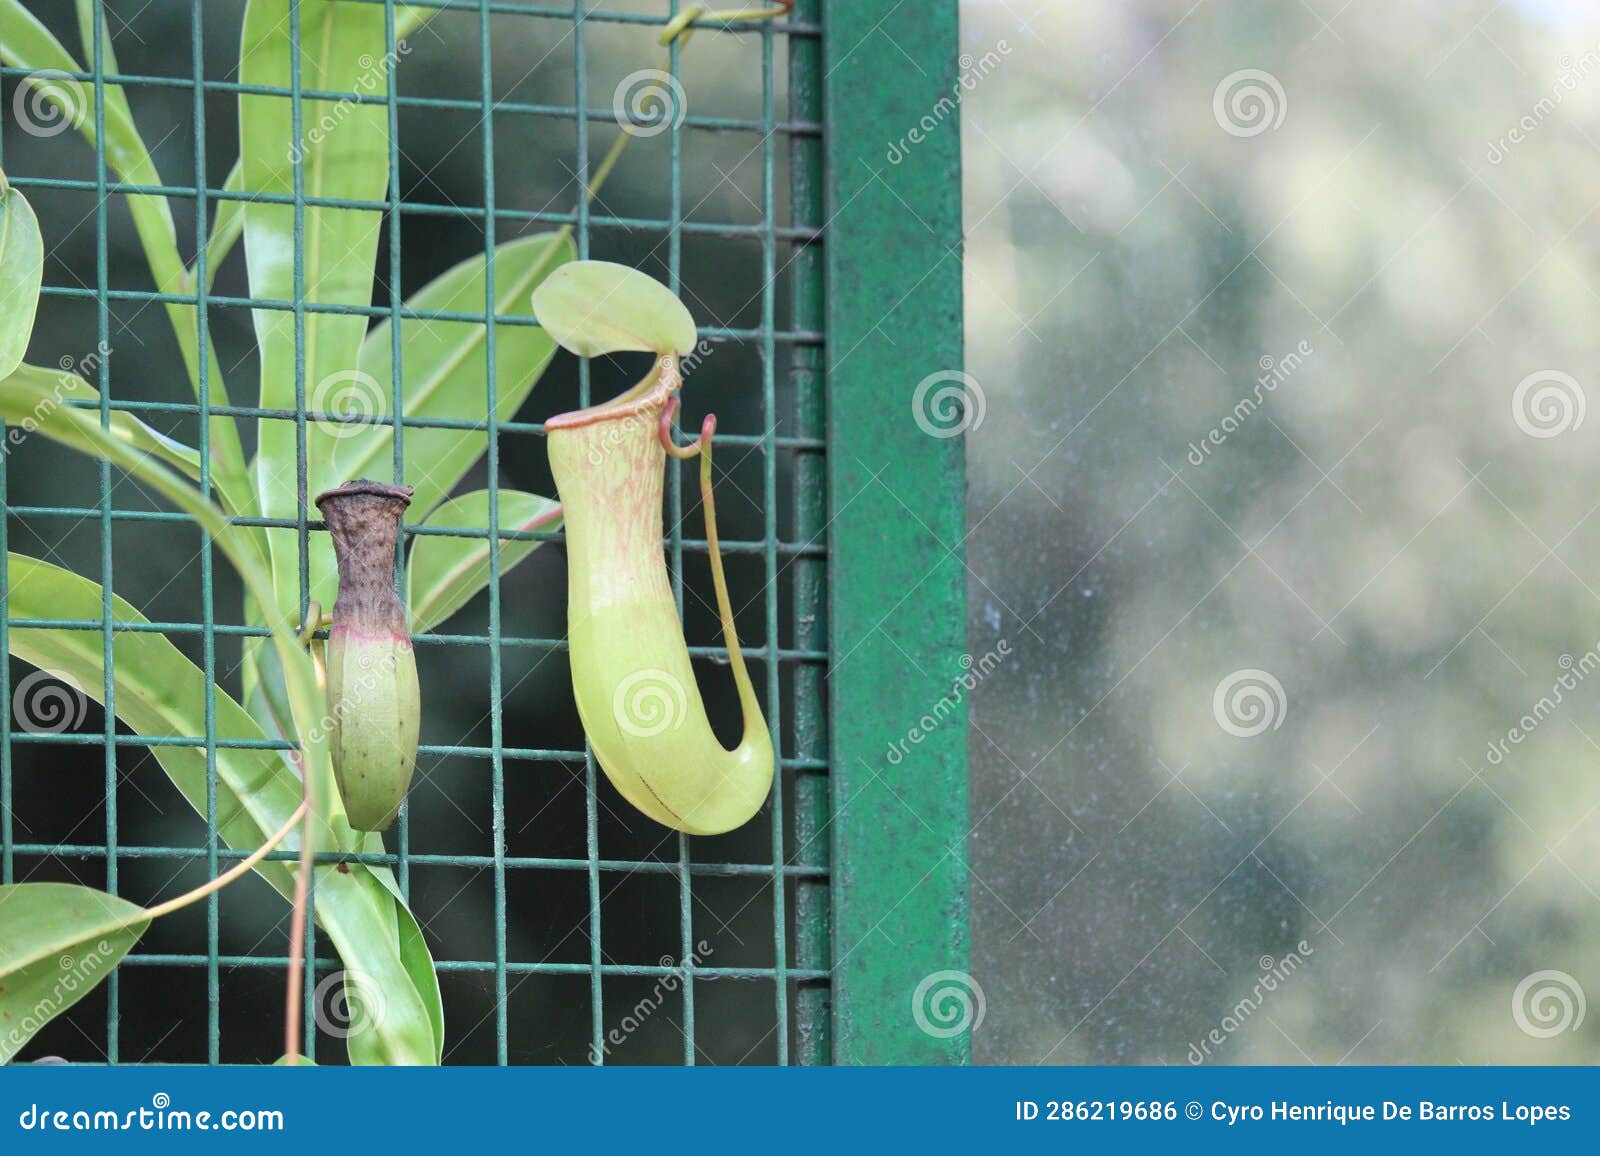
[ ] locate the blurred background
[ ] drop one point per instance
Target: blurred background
(1284, 500)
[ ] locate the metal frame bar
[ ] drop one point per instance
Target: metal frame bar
(896, 502)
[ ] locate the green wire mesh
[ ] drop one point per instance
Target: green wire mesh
(793, 874)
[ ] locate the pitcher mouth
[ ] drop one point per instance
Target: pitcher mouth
(648, 396)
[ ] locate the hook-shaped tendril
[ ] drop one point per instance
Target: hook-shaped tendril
(702, 448)
(681, 27)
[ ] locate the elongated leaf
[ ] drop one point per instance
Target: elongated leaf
(160, 692)
(63, 386)
(362, 931)
(444, 374)
(597, 307)
(54, 101)
(57, 941)
(227, 226)
(341, 149)
(21, 271)
(444, 573)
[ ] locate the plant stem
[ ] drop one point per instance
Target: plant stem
(233, 872)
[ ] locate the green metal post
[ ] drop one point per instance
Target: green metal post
(897, 573)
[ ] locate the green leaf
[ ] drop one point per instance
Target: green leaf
(27, 44)
(64, 386)
(295, 1061)
(57, 941)
(596, 307)
(342, 149)
(444, 572)
(160, 692)
(226, 227)
(444, 373)
(21, 272)
(445, 370)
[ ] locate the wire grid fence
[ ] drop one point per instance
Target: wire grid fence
(792, 873)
